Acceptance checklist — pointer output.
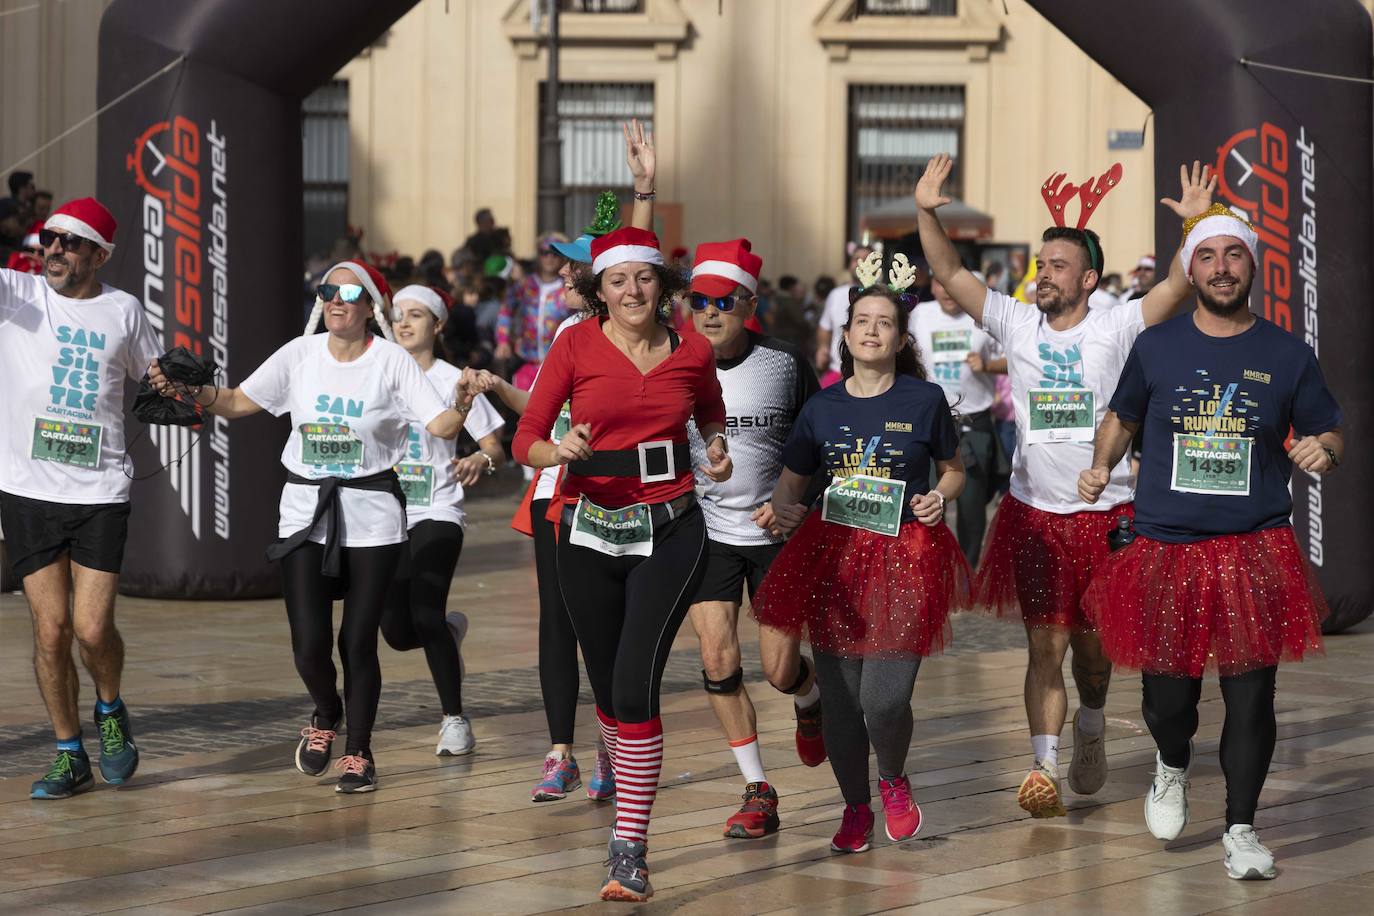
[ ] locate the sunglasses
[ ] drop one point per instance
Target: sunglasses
(347, 292)
(701, 303)
(70, 243)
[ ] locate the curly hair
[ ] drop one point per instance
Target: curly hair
(670, 282)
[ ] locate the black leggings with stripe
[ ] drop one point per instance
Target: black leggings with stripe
(627, 611)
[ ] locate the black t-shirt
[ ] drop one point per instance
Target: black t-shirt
(893, 435)
(1215, 412)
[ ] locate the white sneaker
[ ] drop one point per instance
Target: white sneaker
(1246, 857)
(455, 737)
(1088, 771)
(458, 626)
(1166, 803)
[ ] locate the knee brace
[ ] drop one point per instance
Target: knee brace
(726, 685)
(803, 672)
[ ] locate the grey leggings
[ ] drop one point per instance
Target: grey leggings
(863, 700)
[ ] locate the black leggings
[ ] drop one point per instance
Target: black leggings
(558, 680)
(416, 605)
(366, 574)
(1247, 736)
(627, 610)
(866, 701)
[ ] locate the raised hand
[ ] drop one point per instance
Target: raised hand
(930, 189)
(640, 155)
(1196, 189)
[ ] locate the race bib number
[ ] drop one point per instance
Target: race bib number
(950, 346)
(563, 423)
(1211, 465)
(65, 442)
(627, 532)
(325, 444)
(417, 483)
(871, 503)
(1059, 415)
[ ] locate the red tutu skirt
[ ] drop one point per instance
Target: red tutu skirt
(1229, 604)
(1037, 564)
(861, 594)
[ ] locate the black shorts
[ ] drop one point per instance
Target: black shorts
(729, 568)
(37, 532)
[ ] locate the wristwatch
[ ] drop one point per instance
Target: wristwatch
(1331, 456)
(724, 442)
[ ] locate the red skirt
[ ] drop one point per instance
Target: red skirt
(861, 594)
(1037, 564)
(1229, 604)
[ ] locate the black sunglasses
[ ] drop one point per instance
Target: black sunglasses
(701, 303)
(70, 243)
(347, 292)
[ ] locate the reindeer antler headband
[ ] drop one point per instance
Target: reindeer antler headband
(899, 277)
(1057, 195)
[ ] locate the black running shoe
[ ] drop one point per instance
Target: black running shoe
(359, 774)
(118, 754)
(69, 774)
(312, 754)
(628, 878)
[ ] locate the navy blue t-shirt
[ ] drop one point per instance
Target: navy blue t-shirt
(894, 435)
(1185, 386)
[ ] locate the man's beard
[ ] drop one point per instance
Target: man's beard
(1057, 304)
(74, 276)
(1225, 308)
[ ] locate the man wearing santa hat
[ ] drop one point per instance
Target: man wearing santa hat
(1215, 578)
(67, 343)
(764, 382)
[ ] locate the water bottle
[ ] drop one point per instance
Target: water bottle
(1122, 534)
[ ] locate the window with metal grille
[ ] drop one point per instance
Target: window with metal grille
(893, 132)
(324, 164)
(601, 6)
(907, 8)
(593, 160)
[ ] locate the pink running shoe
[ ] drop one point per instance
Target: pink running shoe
(903, 814)
(560, 777)
(856, 830)
(602, 785)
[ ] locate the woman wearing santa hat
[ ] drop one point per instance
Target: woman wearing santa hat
(342, 528)
(434, 480)
(632, 538)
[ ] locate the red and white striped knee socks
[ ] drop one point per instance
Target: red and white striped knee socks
(638, 760)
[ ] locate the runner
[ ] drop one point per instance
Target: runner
(342, 525)
(765, 382)
(67, 343)
(632, 541)
(433, 481)
(1064, 360)
(961, 358)
(558, 677)
(872, 588)
(1215, 579)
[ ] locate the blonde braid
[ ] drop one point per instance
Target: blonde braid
(314, 321)
(378, 315)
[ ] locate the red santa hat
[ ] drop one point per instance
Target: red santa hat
(87, 218)
(623, 246)
(721, 266)
(1218, 220)
(31, 239)
(437, 302)
(25, 263)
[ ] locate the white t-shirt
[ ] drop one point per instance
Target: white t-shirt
(1089, 355)
(434, 493)
(548, 477)
(946, 342)
(366, 407)
(62, 368)
(833, 317)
